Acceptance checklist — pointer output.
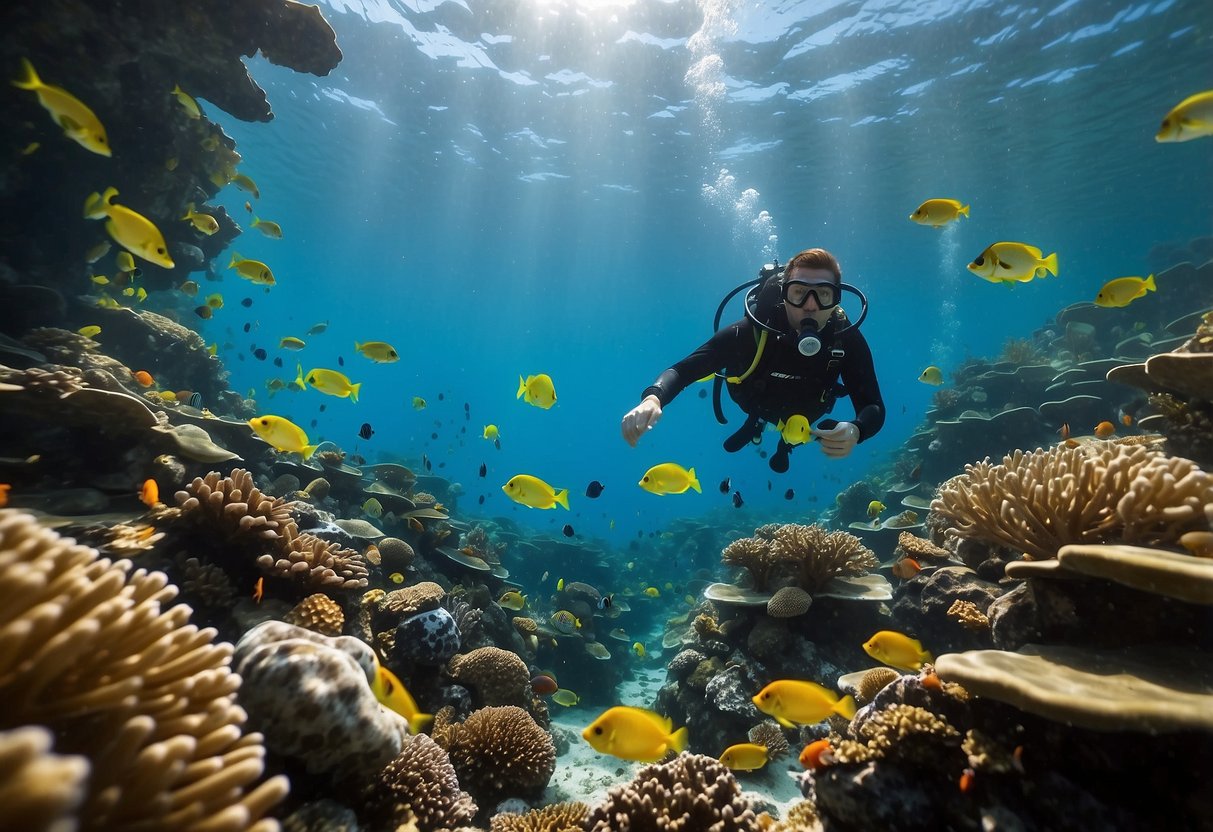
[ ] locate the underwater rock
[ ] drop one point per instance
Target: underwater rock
(922, 607)
(429, 637)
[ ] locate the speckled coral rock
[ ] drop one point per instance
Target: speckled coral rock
(498, 676)
(331, 721)
(420, 786)
(687, 794)
(501, 752)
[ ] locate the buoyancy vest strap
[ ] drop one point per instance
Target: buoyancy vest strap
(762, 343)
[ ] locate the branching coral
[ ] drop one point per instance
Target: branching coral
(38, 789)
(967, 615)
(1037, 502)
(420, 785)
(770, 735)
(754, 555)
(908, 545)
(559, 817)
(501, 752)
(690, 792)
(92, 651)
(816, 555)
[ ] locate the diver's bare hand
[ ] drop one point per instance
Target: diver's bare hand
(839, 440)
(640, 419)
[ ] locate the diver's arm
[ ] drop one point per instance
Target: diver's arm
(859, 377)
(707, 359)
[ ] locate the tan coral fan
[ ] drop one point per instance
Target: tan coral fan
(89, 650)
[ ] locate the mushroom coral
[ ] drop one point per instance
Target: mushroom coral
(1036, 502)
(688, 793)
(91, 650)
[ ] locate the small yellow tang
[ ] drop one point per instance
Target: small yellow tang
(537, 390)
(187, 102)
(931, 375)
(269, 228)
(380, 352)
(897, 650)
(669, 478)
(79, 123)
(329, 382)
(292, 343)
(874, 509)
(244, 183)
(491, 432)
(283, 434)
(418, 403)
(1189, 119)
(534, 492)
(565, 697)
(1124, 290)
(392, 693)
(1013, 262)
(793, 702)
(372, 508)
(745, 756)
(634, 734)
(252, 270)
(939, 212)
(796, 430)
(133, 231)
(205, 223)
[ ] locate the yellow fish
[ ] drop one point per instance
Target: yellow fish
(141, 294)
(124, 261)
(372, 508)
(79, 123)
(187, 102)
(793, 702)
(391, 693)
(512, 600)
(98, 251)
(745, 756)
(205, 223)
(244, 183)
(214, 301)
(252, 270)
(1005, 262)
(1124, 290)
(565, 622)
(30, 148)
(897, 650)
(100, 279)
(189, 288)
(565, 697)
(560, 585)
(796, 430)
(634, 734)
(267, 227)
(638, 649)
(89, 331)
(291, 343)
(669, 478)
(1189, 119)
(330, 382)
(396, 578)
(491, 432)
(283, 434)
(874, 509)
(133, 231)
(939, 212)
(537, 390)
(653, 592)
(931, 375)
(418, 403)
(378, 351)
(534, 492)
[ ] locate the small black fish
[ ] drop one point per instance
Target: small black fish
(604, 603)
(259, 354)
(768, 485)
(246, 303)
(314, 423)
(425, 460)
(481, 500)
(737, 501)
(593, 489)
(762, 454)
(439, 397)
(278, 361)
(247, 326)
(322, 407)
(724, 486)
(466, 407)
(789, 494)
(433, 435)
(568, 530)
(640, 533)
(340, 361)
(366, 431)
(484, 469)
(240, 356)
(703, 394)
(497, 444)
(441, 464)
(463, 430)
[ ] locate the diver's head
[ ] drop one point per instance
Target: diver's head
(811, 290)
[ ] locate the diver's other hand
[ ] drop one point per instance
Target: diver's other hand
(839, 440)
(641, 418)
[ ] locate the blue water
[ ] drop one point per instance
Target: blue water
(570, 187)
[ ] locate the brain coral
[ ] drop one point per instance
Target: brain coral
(498, 676)
(500, 752)
(420, 786)
(93, 651)
(689, 793)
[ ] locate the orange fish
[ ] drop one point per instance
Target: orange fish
(4, 489)
(817, 754)
(931, 681)
(906, 568)
(544, 684)
(966, 780)
(1064, 431)
(259, 590)
(1126, 419)
(1105, 429)
(150, 493)
(144, 378)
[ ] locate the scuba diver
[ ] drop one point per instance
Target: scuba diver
(792, 355)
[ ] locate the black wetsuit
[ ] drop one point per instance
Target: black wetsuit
(785, 382)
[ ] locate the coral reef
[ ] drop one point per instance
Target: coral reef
(558, 817)
(498, 676)
(810, 555)
(419, 786)
(500, 752)
(38, 789)
(768, 734)
(318, 613)
(94, 653)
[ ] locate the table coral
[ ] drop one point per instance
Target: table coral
(93, 651)
(501, 752)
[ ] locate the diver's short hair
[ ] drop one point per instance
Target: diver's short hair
(815, 258)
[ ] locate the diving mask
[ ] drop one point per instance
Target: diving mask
(796, 293)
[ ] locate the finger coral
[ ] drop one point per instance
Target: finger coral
(419, 786)
(559, 817)
(38, 789)
(690, 792)
(1036, 502)
(90, 650)
(500, 752)
(901, 732)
